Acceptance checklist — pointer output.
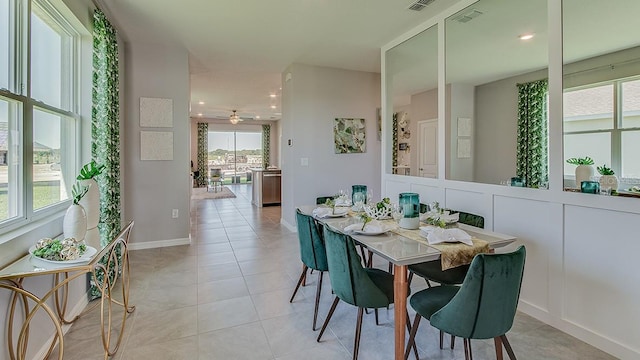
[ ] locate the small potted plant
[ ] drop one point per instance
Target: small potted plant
(584, 169)
(608, 180)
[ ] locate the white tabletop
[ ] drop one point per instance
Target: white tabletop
(404, 251)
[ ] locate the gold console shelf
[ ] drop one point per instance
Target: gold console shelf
(106, 267)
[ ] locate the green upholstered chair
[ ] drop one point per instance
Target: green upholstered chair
(323, 199)
(354, 284)
(312, 254)
(482, 308)
(432, 270)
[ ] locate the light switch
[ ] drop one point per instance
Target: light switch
(304, 161)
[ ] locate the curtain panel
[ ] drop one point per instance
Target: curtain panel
(532, 157)
(105, 132)
(266, 146)
(203, 154)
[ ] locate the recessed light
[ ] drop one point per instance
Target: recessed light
(257, 116)
(200, 102)
(199, 114)
(273, 106)
(526, 36)
(272, 95)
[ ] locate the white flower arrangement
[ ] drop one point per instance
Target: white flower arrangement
(440, 217)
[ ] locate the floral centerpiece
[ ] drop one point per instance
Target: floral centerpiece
(440, 217)
(379, 210)
(59, 250)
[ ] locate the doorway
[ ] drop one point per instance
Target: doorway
(235, 153)
(428, 148)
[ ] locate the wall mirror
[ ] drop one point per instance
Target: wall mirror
(496, 74)
(411, 75)
(601, 102)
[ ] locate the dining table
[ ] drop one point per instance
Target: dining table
(402, 251)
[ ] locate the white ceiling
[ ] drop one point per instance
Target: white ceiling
(239, 49)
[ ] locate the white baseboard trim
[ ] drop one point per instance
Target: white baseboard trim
(75, 311)
(159, 243)
(288, 226)
(592, 338)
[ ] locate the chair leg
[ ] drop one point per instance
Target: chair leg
(412, 336)
(507, 346)
(363, 255)
(415, 348)
(467, 349)
(428, 283)
(329, 315)
(370, 258)
(356, 343)
(390, 267)
(318, 290)
(409, 278)
(376, 312)
(441, 338)
(498, 344)
(453, 342)
(300, 281)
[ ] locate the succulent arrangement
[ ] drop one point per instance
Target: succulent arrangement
(59, 250)
(580, 161)
(440, 217)
(605, 170)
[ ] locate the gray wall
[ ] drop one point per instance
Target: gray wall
(460, 106)
(312, 98)
(154, 188)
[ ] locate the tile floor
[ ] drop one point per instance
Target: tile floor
(226, 296)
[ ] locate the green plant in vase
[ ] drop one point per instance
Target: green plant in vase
(90, 170)
(608, 180)
(78, 191)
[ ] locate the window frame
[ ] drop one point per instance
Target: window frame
(615, 131)
(20, 91)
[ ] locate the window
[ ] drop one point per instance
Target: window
(603, 122)
(38, 122)
(235, 153)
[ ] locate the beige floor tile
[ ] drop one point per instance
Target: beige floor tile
(239, 343)
(179, 349)
(158, 327)
(222, 290)
(226, 313)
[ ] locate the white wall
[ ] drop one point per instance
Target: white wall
(312, 98)
(154, 188)
(461, 105)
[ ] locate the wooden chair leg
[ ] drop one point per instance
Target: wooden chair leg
(415, 348)
(412, 336)
(507, 346)
(498, 345)
(329, 315)
(300, 281)
(356, 343)
(318, 290)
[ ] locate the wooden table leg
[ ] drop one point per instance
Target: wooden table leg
(400, 307)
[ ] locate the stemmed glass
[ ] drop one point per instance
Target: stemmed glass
(396, 212)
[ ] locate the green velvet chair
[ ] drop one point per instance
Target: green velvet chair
(320, 200)
(354, 284)
(312, 254)
(482, 308)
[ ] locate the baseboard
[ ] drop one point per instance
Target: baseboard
(284, 223)
(159, 243)
(592, 338)
(75, 311)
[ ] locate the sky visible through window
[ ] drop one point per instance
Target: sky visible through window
(224, 140)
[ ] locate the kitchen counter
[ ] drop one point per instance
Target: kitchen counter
(266, 187)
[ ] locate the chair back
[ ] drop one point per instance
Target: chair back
(323, 199)
(349, 280)
(471, 219)
(486, 304)
(312, 250)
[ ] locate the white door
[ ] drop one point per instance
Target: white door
(428, 148)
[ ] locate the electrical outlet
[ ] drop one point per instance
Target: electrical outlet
(174, 213)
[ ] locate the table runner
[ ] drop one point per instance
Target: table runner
(452, 254)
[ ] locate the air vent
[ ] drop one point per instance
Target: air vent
(467, 16)
(420, 4)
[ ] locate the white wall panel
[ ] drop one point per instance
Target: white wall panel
(428, 194)
(472, 202)
(602, 292)
(538, 226)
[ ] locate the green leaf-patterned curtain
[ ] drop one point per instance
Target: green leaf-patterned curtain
(203, 154)
(394, 151)
(266, 145)
(532, 153)
(105, 124)
(105, 131)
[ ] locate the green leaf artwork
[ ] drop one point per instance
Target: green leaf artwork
(349, 135)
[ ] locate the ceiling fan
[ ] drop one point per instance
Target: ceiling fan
(234, 118)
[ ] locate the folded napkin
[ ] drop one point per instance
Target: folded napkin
(343, 201)
(436, 235)
(373, 226)
(322, 212)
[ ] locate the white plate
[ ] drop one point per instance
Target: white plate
(338, 213)
(84, 258)
(365, 232)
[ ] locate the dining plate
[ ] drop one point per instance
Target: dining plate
(84, 258)
(339, 213)
(365, 232)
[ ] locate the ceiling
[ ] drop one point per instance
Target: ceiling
(239, 49)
